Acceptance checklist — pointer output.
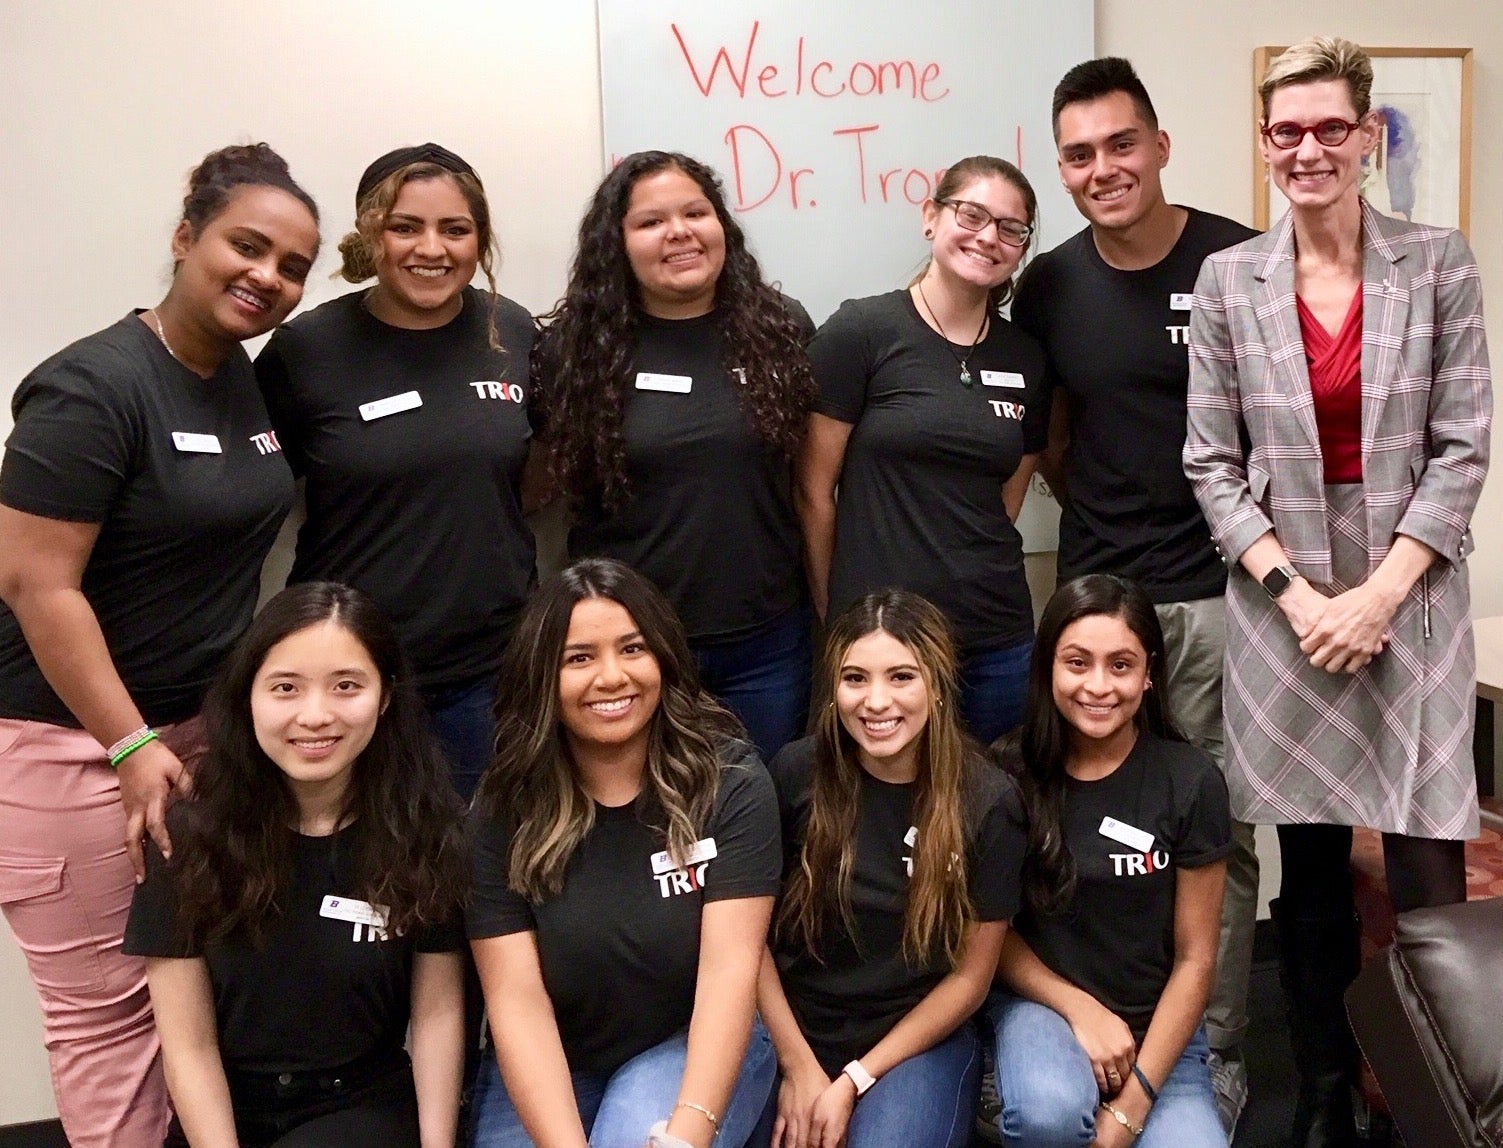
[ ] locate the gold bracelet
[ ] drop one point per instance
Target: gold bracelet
(1121, 1118)
(703, 1111)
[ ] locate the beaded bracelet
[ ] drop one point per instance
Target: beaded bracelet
(137, 741)
(126, 740)
(1121, 1118)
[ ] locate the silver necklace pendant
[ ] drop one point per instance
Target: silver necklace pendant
(965, 375)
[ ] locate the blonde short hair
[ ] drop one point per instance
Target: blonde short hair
(1321, 58)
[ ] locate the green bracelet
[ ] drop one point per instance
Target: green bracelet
(120, 755)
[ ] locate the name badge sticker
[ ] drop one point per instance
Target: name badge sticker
(704, 850)
(196, 443)
(1128, 835)
(362, 914)
(1003, 379)
(1180, 300)
(394, 404)
(674, 384)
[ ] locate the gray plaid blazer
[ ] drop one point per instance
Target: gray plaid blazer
(1252, 453)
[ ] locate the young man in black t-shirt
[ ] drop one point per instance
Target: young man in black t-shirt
(1112, 308)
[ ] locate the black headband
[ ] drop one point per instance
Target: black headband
(394, 161)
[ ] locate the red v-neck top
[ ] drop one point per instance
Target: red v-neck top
(1336, 386)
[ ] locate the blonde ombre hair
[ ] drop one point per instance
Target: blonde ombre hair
(1321, 58)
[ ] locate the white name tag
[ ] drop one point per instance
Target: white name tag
(369, 920)
(1130, 836)
(701, 851)
(196, 443)
(1180, 300)
(1003, 379)
(911, 836)
(677, 384)
(406, 401)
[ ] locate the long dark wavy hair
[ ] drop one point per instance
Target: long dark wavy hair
(1041, 746)
(818, 891)
(531, 784)
(234, 848)
(582, 362)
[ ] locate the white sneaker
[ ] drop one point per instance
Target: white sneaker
(1229, 1083)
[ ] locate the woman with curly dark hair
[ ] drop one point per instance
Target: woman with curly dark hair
(932, 410)
(626, 858)
(312, 905)
(676, 391)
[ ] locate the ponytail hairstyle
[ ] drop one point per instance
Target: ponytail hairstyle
(818, 891)
(988, 167)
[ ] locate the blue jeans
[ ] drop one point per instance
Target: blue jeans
(1049, 1094)
(763, 678)
(928, 1101)
(618, 1109)
(993, 685)
(464, 721)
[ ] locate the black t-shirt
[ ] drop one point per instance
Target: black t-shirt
(619, 946)
(1118, 347)
(862, 985)
(188, 486)
(710, 518)
(328, 988)
(1115, 939)
(418, 503)
(920, 502)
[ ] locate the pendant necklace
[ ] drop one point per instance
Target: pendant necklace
(965, 360)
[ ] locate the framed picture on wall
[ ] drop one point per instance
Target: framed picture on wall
(1422, 167)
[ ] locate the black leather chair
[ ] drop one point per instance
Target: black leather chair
(1428, 1013)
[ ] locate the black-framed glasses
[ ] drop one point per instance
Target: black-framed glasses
(974, 217)
(1287, 135)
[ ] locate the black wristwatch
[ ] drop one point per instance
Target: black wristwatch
(1277, 580)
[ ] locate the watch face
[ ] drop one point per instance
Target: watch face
(1276, 581)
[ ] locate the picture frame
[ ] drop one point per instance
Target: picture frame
(1422, 167)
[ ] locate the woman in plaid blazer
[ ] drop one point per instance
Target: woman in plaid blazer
(1340, 405)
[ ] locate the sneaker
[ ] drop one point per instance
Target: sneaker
(989, 1110)
(1229, 1083)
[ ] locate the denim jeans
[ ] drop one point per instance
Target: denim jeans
(928, 1101)
(1049, 1094)
(618, 1109)
(763, 678)
(464, 722)
(992, 688)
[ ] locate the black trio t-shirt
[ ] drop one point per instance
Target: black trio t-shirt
(189, 487)
(862, 985)
(619, 946)
(412, 443)
(327, 990)
(920, 503)
(1115, 939)
(1118, 347)
(710, 517)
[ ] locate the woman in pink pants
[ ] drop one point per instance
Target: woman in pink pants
(140, 491)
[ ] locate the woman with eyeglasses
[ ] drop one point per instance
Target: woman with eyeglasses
(931, 412)
(1340, 406)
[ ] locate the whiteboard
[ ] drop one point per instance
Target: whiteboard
(830, 123)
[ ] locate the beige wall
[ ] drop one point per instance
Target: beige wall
(518, 95)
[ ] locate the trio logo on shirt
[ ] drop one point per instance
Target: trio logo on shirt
(1139, 864)
(673, 880)
(491, 389)
(368, 919)
(266, 442)
(1007, 410)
